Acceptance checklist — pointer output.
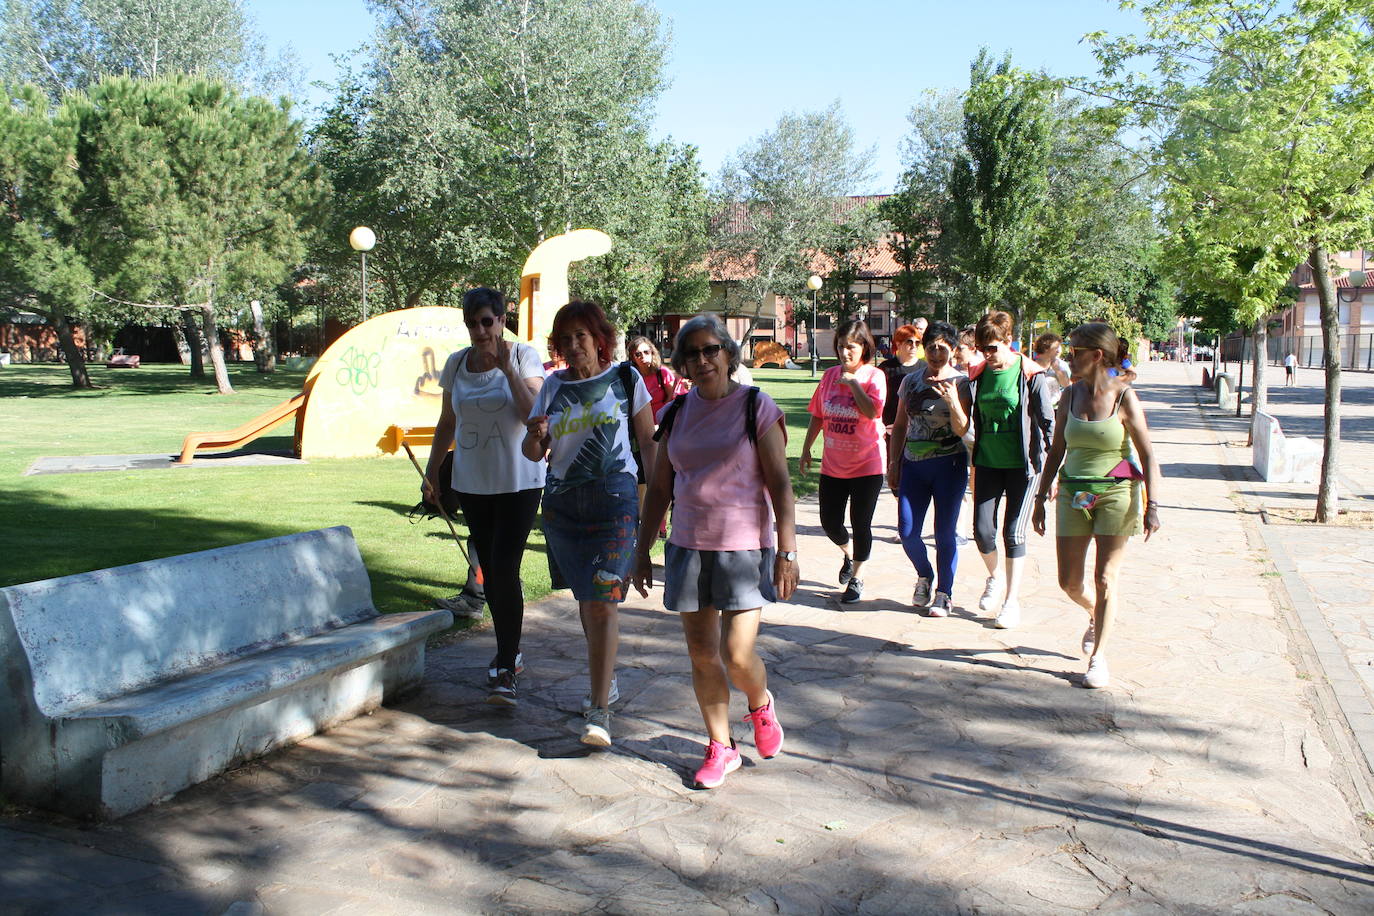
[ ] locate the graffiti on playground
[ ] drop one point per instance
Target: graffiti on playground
(359, 369)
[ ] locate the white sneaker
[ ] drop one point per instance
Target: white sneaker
(1009, 616)
(939, 607)
(610, 701)
(1097, 675)
(921, 596)
(596, 731)
(992, 595)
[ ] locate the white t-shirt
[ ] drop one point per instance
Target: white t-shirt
(1290, 361)
(589, 426)
(487, 457)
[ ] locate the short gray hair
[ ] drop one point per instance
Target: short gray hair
(706, 321)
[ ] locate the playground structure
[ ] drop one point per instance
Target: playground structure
(383, 374)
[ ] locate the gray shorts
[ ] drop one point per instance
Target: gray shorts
(727, 580)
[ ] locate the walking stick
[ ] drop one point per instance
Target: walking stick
(438, 503)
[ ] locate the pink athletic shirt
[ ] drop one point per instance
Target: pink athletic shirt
(720, 501)
(853, 442)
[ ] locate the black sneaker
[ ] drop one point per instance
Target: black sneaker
(846, 571)
(853, 591)
(493, 670)
(502, 693)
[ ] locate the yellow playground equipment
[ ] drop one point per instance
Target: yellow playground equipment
(383, 375)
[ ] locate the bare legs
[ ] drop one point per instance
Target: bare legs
(601, 626)
(721, 646)
(1072, 554)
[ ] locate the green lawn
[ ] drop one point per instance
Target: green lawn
(55, 525)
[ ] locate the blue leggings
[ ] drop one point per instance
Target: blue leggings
(943, 480)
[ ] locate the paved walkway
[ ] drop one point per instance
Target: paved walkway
(930, 765)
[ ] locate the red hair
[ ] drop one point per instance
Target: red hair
(590, 316)
(903, 334)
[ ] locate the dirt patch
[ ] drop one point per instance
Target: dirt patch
(1345, 518)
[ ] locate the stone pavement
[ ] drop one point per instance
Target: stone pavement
(930, 765)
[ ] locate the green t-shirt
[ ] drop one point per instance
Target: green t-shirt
(999, 402)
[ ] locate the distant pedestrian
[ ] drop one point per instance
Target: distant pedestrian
(725, 472)
(1012, 425)
(582, 421)
(1098, 422)
(1046, 352)
(848, 406)
(1290, 366)
(928, 463)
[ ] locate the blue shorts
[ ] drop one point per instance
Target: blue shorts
(590, 531)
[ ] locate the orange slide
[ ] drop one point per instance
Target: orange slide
(241, 434)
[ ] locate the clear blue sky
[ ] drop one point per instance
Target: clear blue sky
(736, 66)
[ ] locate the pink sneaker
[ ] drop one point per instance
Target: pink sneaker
(720, 762)
(767, 731)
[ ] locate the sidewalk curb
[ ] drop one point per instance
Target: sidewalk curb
(1339, 695)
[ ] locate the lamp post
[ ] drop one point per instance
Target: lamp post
(814, 284)
(361, 239)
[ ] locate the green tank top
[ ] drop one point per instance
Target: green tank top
(999, 402)
(1094, 447)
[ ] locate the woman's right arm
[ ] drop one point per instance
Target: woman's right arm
(812, 431)
(656, 499)
(897, 446)
(443, 438)
(1052, 462)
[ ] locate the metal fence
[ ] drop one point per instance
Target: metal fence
(1357, 350)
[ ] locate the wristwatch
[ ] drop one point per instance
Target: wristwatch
(788, 555)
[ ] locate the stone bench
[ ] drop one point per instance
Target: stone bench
(1283, 459)
(126, 685)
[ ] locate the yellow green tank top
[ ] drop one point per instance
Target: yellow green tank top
(1094, 447)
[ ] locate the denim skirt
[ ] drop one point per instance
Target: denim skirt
(590, 531)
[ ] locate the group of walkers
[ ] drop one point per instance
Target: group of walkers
(610, 446)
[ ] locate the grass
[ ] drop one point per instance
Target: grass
(57, 525)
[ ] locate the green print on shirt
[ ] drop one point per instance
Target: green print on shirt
(597, 459)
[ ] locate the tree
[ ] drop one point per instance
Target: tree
(915, 211)
(193, 197)
(776, 201)
(42, 229)
(61, 45)
(999, 184)
(482, 127)
(1262, 111)
(843, 255)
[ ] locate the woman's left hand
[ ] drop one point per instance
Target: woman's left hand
(786, 573)
(1151, 519)
(642, 577)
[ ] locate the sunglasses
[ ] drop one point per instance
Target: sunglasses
(1069, 351)
(987, 348)
(486, 321)
(710, 351)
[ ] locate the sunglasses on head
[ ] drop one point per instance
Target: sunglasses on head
(710, 351)
(485, 321)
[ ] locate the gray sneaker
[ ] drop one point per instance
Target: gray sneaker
(613, 699)
(920, 597)
(596, 730)
(502, 693)
(492, 670)
(939, 607)
(467, 607)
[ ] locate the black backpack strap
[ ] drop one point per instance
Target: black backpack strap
(751, 420)
(665, 425)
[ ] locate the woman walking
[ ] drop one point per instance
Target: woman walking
(848, 406)
(583, 420)
(1012, 426)
(928, 463)
(489, 388)
(724, 466)
(663, 384)
(1099, 420)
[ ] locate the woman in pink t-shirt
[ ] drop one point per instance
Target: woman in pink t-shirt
(721, 564)
(848, 406)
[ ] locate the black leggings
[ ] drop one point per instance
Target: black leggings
(499, 525)
(862, 495)
(989, 485)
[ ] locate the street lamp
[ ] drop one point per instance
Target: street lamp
(813, 284)
(361, 239)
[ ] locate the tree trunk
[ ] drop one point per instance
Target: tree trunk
(1327, 498)
(188, 327)
(264, 353)
(76, 361)
(1259, 399)
(1240, 373)
(211, 329)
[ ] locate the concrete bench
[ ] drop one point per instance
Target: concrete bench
(126, 685)
(1282, 459)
